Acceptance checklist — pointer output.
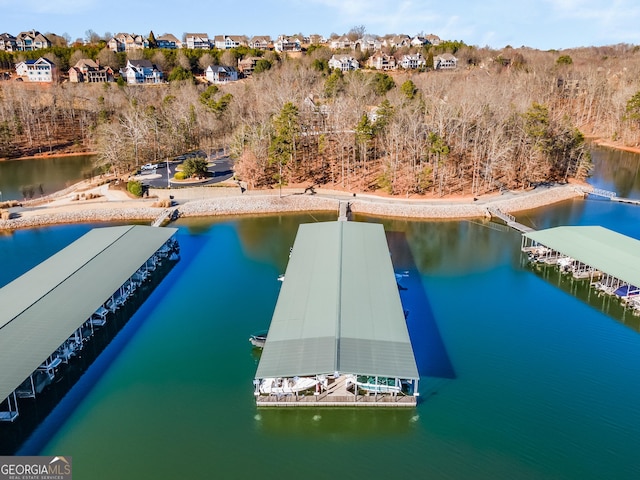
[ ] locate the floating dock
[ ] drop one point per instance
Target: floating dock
(610, 260)
(338, 335)
(50, 312)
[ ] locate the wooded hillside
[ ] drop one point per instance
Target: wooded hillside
(503, 119)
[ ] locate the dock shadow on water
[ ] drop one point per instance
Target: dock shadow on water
(431, 355)
(41, 417)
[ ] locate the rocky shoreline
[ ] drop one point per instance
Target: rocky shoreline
(203, 202)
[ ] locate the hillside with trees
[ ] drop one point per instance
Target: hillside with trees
(503, 119)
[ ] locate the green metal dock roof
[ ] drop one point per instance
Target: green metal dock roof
(43, 307)
(601, 248)
(339, 308)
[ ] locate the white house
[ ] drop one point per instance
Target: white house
(225, 42)
(220, 74)
(40, 70)
(340, 42)
(344, 63)
(287, 44)
(446, 61)
(412, 61)
(141, 71)
(197, 40)
(368, 42)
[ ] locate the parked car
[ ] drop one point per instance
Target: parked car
(148, 166)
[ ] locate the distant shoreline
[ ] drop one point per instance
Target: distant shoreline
(49, 155)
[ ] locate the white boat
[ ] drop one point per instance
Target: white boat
(383, 385)
(284, 386)
(258, 339)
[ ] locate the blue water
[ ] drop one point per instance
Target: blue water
(520, 379)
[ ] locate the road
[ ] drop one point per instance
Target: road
(221, 170)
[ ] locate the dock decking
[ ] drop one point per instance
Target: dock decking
(336, 395)
(509, 219)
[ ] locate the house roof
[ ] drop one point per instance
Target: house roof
(43, 307)
(168, 37)
(339, 308)
(142, 63)
(221, 69)
(86, 62)
(598, 247)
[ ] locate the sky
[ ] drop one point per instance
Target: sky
(540, 24)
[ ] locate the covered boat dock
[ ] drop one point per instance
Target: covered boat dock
(610, 260)
(46, 313)
(338, 335)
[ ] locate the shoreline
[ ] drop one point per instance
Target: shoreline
(113, 206)
(48, 155)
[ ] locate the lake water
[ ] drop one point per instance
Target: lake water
(35, 177)
(521, 377)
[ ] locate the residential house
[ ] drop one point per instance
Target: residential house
(433, 39)
(315, 39)
(127, 42)
(340, 42)
(40, 70)
(315, 105)
(287, 44)
(260, 42)
(8, 42)
(419, 41)
(247, 65)
(382, 61)
(368, 43)
(413, 61)
(446, 61)
(32, 40)
(225, 42)
(88, 71)
(221, 74)
(168, 41)
(140, 72)
(398, 41)
(197, 41)
(344, 63)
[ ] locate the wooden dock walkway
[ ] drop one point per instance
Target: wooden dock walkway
(509, 219)
(167, 214)
(613, 196)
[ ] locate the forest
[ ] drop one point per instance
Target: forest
(509, 118)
